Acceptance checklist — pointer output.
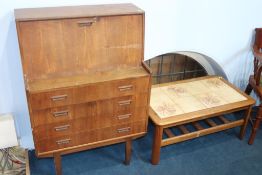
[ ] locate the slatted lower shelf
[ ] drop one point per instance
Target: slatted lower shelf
(199, 130)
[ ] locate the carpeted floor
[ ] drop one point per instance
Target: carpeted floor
(217, 154)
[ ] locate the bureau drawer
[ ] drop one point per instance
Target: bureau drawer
(121, 130)
(63, 128)
(140, 113)
(131, 86)
(102, 110)
(51, 99)
(93, 92)
(90, 136)
(60, 142)
(63, 114)
(107, 90)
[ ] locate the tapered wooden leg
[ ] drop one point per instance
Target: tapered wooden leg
(244, 126)
(248, 89)
(155, 157)
(255, 126)
(128, 151)
(58, 167)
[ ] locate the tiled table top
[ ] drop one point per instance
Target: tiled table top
(202, 94)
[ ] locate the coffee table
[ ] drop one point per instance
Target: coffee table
(201, 103)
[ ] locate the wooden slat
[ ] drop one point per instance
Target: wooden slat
(223, 119)
(203, 132)
(210, 122)
(183, 129)
(169, 133)
(197, 126)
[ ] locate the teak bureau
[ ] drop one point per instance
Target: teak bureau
(85, 81)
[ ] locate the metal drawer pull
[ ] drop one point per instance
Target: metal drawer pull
(124, 102)
(59, 97)
(121, 130)
(60, 113)
(87, 23)
(125, 116)
(64, 141)
(125, 88)
(62, 128)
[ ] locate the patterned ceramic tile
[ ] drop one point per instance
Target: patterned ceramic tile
(192, 96)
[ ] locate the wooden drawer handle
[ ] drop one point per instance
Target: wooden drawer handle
(125, 116)
(62, 128)
(121, 130)
(124, 102)
(125, 88)
(87, 23)
(60, 113)
(63, 141)
(59, 97)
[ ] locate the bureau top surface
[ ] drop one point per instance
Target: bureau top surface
(28, 14)
(78, 80)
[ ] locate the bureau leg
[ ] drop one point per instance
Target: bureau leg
(128, 151)
(246, 119)
(155, 157)
(58, 167)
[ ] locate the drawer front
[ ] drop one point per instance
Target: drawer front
(64, 141)
(112, 89)
(114, 40)
(90, 136)
(63, 128)
(131, 86)
(124, 105)
(51, 99)
(103, 110)
(99, 91)
(139, 114)
(121, 130)
(63, 114)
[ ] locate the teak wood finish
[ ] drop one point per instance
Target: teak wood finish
(85, 80)
(209, 116)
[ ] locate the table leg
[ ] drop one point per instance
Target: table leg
(58, 166)
(128, 151)
(244, 126)
(156, 145)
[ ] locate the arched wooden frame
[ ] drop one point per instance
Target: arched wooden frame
(172, 67)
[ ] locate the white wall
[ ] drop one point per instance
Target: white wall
(221, 29)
